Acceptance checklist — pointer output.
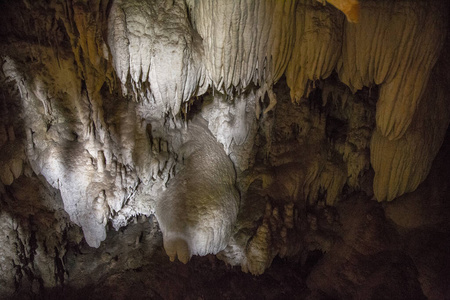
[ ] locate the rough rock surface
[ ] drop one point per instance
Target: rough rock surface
(271, 136)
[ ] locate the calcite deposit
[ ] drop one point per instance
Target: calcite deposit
(255, 133)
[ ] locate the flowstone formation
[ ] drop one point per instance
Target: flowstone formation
(249, 130)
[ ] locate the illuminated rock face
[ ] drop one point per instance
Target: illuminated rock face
(198, 210)
(239, 125)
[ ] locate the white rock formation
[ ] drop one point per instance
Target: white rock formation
(153, 43)
(197, 211)
(106, 109)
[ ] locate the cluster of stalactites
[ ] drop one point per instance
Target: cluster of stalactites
(156, 52)
(169, 52)
(401, 165)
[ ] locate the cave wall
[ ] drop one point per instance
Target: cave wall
(241, 126)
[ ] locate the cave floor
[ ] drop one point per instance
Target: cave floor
(202, 278)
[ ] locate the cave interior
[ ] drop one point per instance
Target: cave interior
(220, 149)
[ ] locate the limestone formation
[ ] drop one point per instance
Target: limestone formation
(254, 131)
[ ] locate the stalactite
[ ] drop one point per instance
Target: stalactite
(317, 45)
(401, 165)
(164, 58)
(199, 208)
(393, 39)
(244, 41)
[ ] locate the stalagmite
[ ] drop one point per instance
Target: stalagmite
(258, 252)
